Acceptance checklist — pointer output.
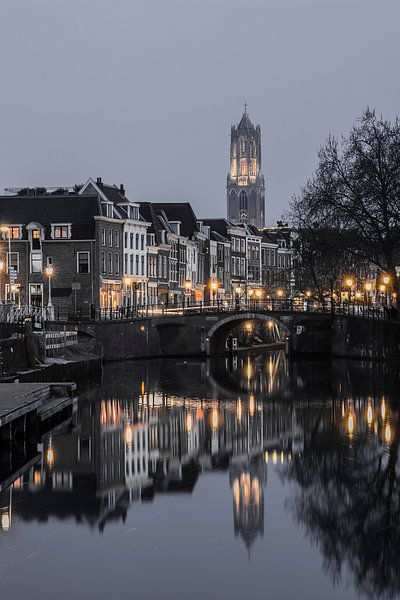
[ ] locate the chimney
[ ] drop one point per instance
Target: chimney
(99, 182)
(122, 189)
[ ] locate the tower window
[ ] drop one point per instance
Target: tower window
(243, 202)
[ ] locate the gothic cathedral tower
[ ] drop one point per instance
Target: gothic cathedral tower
(245, 184)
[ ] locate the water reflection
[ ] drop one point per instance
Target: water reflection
(330, 432)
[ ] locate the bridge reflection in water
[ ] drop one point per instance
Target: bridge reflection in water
(158, 427)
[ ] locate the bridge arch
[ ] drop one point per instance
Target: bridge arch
(233, 319)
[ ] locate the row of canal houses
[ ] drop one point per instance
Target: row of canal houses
(107, 252)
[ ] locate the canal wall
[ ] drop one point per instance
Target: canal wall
(370, 339)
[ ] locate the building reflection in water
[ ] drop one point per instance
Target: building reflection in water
(164, 425)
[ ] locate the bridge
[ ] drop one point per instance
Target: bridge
(347, 331)
(206, 331)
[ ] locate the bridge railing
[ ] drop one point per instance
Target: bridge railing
(359, 309)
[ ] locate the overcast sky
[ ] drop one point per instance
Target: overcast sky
(144, 91)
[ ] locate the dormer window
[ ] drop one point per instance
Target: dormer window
(61, 231)
(14, 231)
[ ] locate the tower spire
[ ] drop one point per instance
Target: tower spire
(245, 107)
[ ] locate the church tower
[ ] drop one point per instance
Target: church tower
(245, 184)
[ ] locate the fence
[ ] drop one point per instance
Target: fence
(57, 341)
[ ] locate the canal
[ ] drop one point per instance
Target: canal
(256, 478)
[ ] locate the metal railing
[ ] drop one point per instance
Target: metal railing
(367, 311)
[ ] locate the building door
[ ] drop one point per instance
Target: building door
(36, 295)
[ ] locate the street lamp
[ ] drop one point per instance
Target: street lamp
(238, 292)
(188, 287)
(1, 273)
(49, 270)
(127, 281)
(214, 289)
(6, 229)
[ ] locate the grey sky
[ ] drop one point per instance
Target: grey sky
(144, 91)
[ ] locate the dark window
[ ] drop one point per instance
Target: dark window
(83, 262)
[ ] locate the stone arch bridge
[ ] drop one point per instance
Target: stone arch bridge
(206, 333)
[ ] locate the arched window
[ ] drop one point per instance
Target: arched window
(243, 201)
(242, 146)
(252, 149)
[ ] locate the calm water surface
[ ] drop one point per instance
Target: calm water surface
(175, 479)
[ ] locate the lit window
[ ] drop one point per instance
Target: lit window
(36, 234)
(61, 232)
(14, 231)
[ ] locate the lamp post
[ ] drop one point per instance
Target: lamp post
(6, 229)
(258, 296)
(214, 290)
(49, 274)
(188, 288)
(127, 282)
(1, 273)
(238, 291)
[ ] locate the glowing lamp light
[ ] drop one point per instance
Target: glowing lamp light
(388, 434)
(49, 271)
(214, 285)
(383, 409)
(386, 279)
(382, 288)
(349, 282)
(50, 457)
(369, 414)
(127, 281)
(214, 418)
(258, 293)
(350, 424)
(188, 285)
(128, 435)
(239, 410)
(308, 294)
(280, 293)
(189, 423)
(5, 521)
(238, 290)
(358, 295)
(266, 456)
(368, 286)
(252, 405)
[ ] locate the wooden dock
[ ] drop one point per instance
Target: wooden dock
(20, 400)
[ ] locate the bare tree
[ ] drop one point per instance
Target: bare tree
(355, 192)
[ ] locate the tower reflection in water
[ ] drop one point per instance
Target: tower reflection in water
(155, 428)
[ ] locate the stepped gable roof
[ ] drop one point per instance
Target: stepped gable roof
(47, 209)
(179, 211)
